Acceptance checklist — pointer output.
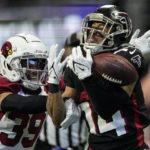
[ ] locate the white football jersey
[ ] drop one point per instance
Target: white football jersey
(20, 131)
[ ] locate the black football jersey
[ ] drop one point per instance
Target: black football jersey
(134, 56)
(123, 129)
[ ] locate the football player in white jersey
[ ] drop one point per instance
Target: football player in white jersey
(23, 92)
(23, 58)
(23, 66)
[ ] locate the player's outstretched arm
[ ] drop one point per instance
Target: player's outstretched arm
(100, 97)
(56, 108)
(22, 104)
(105, 101)
(55, 103)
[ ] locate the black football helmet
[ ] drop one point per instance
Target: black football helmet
(116, 20)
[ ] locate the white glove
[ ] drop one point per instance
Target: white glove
(79, 64)
(55, 67)
(142, 43)
(73, 113)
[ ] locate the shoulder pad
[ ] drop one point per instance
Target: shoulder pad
(133, 55)
(8, 86)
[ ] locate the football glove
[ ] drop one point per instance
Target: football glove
(55, 66)
(79, 64)
(142, 43)
(73, 113)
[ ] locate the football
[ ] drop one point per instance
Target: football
(114, 68)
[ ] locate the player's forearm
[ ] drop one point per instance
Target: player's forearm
(56, 108)
(24, 104)
(129, 88)
(106, 101)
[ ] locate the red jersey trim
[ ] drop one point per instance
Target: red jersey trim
(140, 136)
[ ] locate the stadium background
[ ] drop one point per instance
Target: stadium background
(53, 21)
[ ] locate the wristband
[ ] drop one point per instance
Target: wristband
(54, 88)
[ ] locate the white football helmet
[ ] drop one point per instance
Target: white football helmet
(24, 57)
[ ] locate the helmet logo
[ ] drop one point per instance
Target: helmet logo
(125, 20)
(6, 49)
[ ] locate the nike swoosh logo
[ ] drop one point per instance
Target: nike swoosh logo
(78, 65)
(132, 52)
(81, 68)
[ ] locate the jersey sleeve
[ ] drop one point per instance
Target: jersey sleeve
(69, 78)
(8, 86)
(134, 56)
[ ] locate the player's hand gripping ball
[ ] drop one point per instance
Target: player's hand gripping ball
(115, 69)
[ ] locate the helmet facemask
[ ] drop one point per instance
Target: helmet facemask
(110, 30)
(33, 71)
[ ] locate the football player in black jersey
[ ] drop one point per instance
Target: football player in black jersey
(115, 116)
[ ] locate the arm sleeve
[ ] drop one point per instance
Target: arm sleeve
(105, 101)
(134, 56)
(24, 104)
(69, 78)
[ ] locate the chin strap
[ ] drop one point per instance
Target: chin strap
(30, 86)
